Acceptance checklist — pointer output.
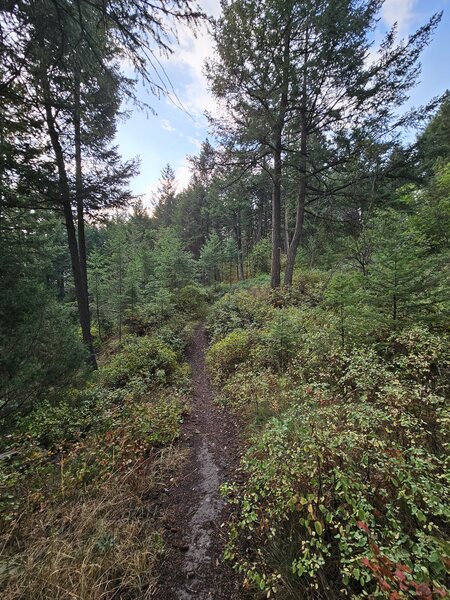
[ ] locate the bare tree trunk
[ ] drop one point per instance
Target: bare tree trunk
(238, 235)
(300, 214)
(286, 225)
(82, 301)
(276, 219)
(79, 182)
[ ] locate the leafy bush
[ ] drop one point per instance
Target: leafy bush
(345, 492)
(85, 463)
(260, 256)
(224, 356)
(281, 339)
(331, 493)
(40, 347)
(145, 357)
(192, 300)
(240, 310)
(55, 424)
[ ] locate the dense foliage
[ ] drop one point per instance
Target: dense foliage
(346, 489)
(77, 472)
(340, 378)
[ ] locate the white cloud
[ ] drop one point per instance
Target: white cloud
(182, 177)
(400, 12)
(190, 56)
(167, 125)
(182, 174)
(194, 141)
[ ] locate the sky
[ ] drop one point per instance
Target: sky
(174, 133)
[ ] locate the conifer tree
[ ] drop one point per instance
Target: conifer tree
(164, 211)
(301, 95)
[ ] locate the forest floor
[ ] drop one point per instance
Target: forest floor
(195, 512)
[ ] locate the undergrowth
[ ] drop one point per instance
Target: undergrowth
(346, 489)
(81, 478)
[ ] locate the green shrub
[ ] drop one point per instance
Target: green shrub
(281, 339)
(145, 357)
(192, 301)
(260, 256)
(172, 337)
(51, 425)
(239, 310)
(335, 505)
(346, 492)
(225, 355)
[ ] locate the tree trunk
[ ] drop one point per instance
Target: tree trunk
(301, 198)
(82, 301)
(79, 183)
(300, 214)
(296, 238)
(276, 219)
(278, 165)
(286, 225)
(238, 235)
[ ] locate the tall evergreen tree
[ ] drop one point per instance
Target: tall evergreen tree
(165, 198)
(61, 57)
(299, 88)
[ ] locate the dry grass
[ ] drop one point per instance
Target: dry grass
(104, 544)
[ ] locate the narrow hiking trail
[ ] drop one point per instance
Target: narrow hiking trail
(193, 568)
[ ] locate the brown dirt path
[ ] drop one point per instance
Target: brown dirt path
(195, 510)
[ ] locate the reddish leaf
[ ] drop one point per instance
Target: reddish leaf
(423, 591)
(375, 549)
(400, 575)
(384, 585)
(362, 526)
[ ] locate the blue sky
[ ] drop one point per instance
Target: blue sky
(172, 134)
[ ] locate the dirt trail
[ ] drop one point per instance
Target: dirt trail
(195, 509)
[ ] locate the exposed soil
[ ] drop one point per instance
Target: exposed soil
(195, 510)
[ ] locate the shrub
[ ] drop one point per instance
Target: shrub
(192, 300)
(281, 339)
(240, 310)
(55, 424)
(345, 492)
(145, 357)
(330, 496)
(225, 355)
(260, 256)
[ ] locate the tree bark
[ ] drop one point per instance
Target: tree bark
(82, 301)
(278, 166)
(276, 218)
(79, 182)
(300, 213)
(286, 225)
(301, 198)
(238, 234)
